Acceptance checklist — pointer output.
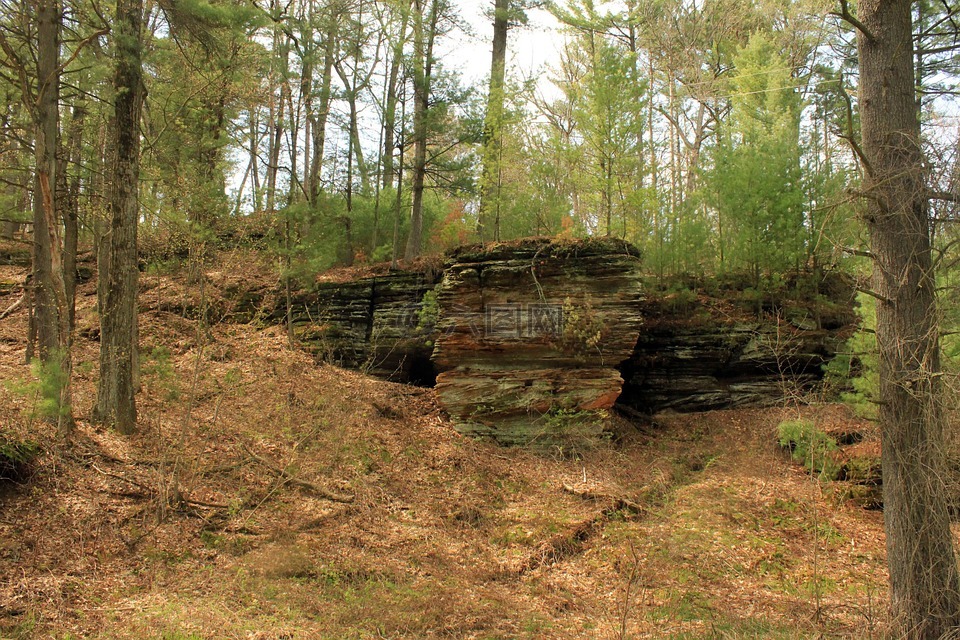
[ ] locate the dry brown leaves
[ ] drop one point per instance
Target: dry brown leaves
(176, 531)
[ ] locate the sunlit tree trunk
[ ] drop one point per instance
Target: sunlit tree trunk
(390, 109)
(424, 33)
(50, 297)
(319, 117)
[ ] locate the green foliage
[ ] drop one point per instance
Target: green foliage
(854, 371)
(568, 430)
(45, 388)
(809, 446)
(429, 311)
(158, 362)
(17, 455)
(157, 368)
(756, 183)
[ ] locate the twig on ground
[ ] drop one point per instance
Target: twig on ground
(286, 475)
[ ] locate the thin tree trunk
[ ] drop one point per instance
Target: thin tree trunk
(920, 553)
(254, 153)
(319, 125)
(401, 145)
(489, 223)
(52, 318)
(71, 208)
(390, 109)
(422, 69)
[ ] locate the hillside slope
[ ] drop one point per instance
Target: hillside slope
(216, 519)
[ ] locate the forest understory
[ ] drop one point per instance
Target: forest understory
(266, 495)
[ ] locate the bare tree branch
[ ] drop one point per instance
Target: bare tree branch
(845, 15)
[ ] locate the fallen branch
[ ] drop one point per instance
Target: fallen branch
(16, 305)
(150, 490)
(289, 477)
(563, 544)
(570, 542)
(213, 471)
(615, 503)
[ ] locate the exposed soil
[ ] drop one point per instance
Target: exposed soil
(214, 521)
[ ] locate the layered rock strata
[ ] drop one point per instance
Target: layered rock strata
(707, 354)
(534, 340)
(529, 336)
(373, 324)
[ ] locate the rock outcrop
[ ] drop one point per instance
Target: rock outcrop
(700, 351)
(374, 324)
(534, 340)
(529, 336)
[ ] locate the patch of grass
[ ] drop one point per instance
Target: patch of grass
(685, 606)
(17, 457)
(23, 629)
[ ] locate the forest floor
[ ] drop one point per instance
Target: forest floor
(215, 519)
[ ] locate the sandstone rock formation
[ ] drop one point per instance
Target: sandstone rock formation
(373, 324)
(535, 339)
(710, 351)
(530, 334)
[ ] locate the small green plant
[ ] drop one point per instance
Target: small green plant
(46, 387)
(680, 297)
(854, 372)
(582, 330)
(429, 311)
(158, 364)
(16, 456)
(569, 429)
(810, 447)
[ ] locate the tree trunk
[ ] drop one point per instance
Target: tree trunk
(319, 119)
(390, 109)
(489, 218)
(422, 68)
(50, 298)
(254, 153)
(71, 208)
(923, 569)
(116, 404)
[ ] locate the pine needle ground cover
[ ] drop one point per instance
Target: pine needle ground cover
(215, 519)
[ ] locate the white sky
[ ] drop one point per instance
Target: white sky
(529, 48)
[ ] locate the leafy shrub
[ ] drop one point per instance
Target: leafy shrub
(810, 447)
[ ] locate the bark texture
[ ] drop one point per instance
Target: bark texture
(118, 345)
(52, 317)
(923, 569)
